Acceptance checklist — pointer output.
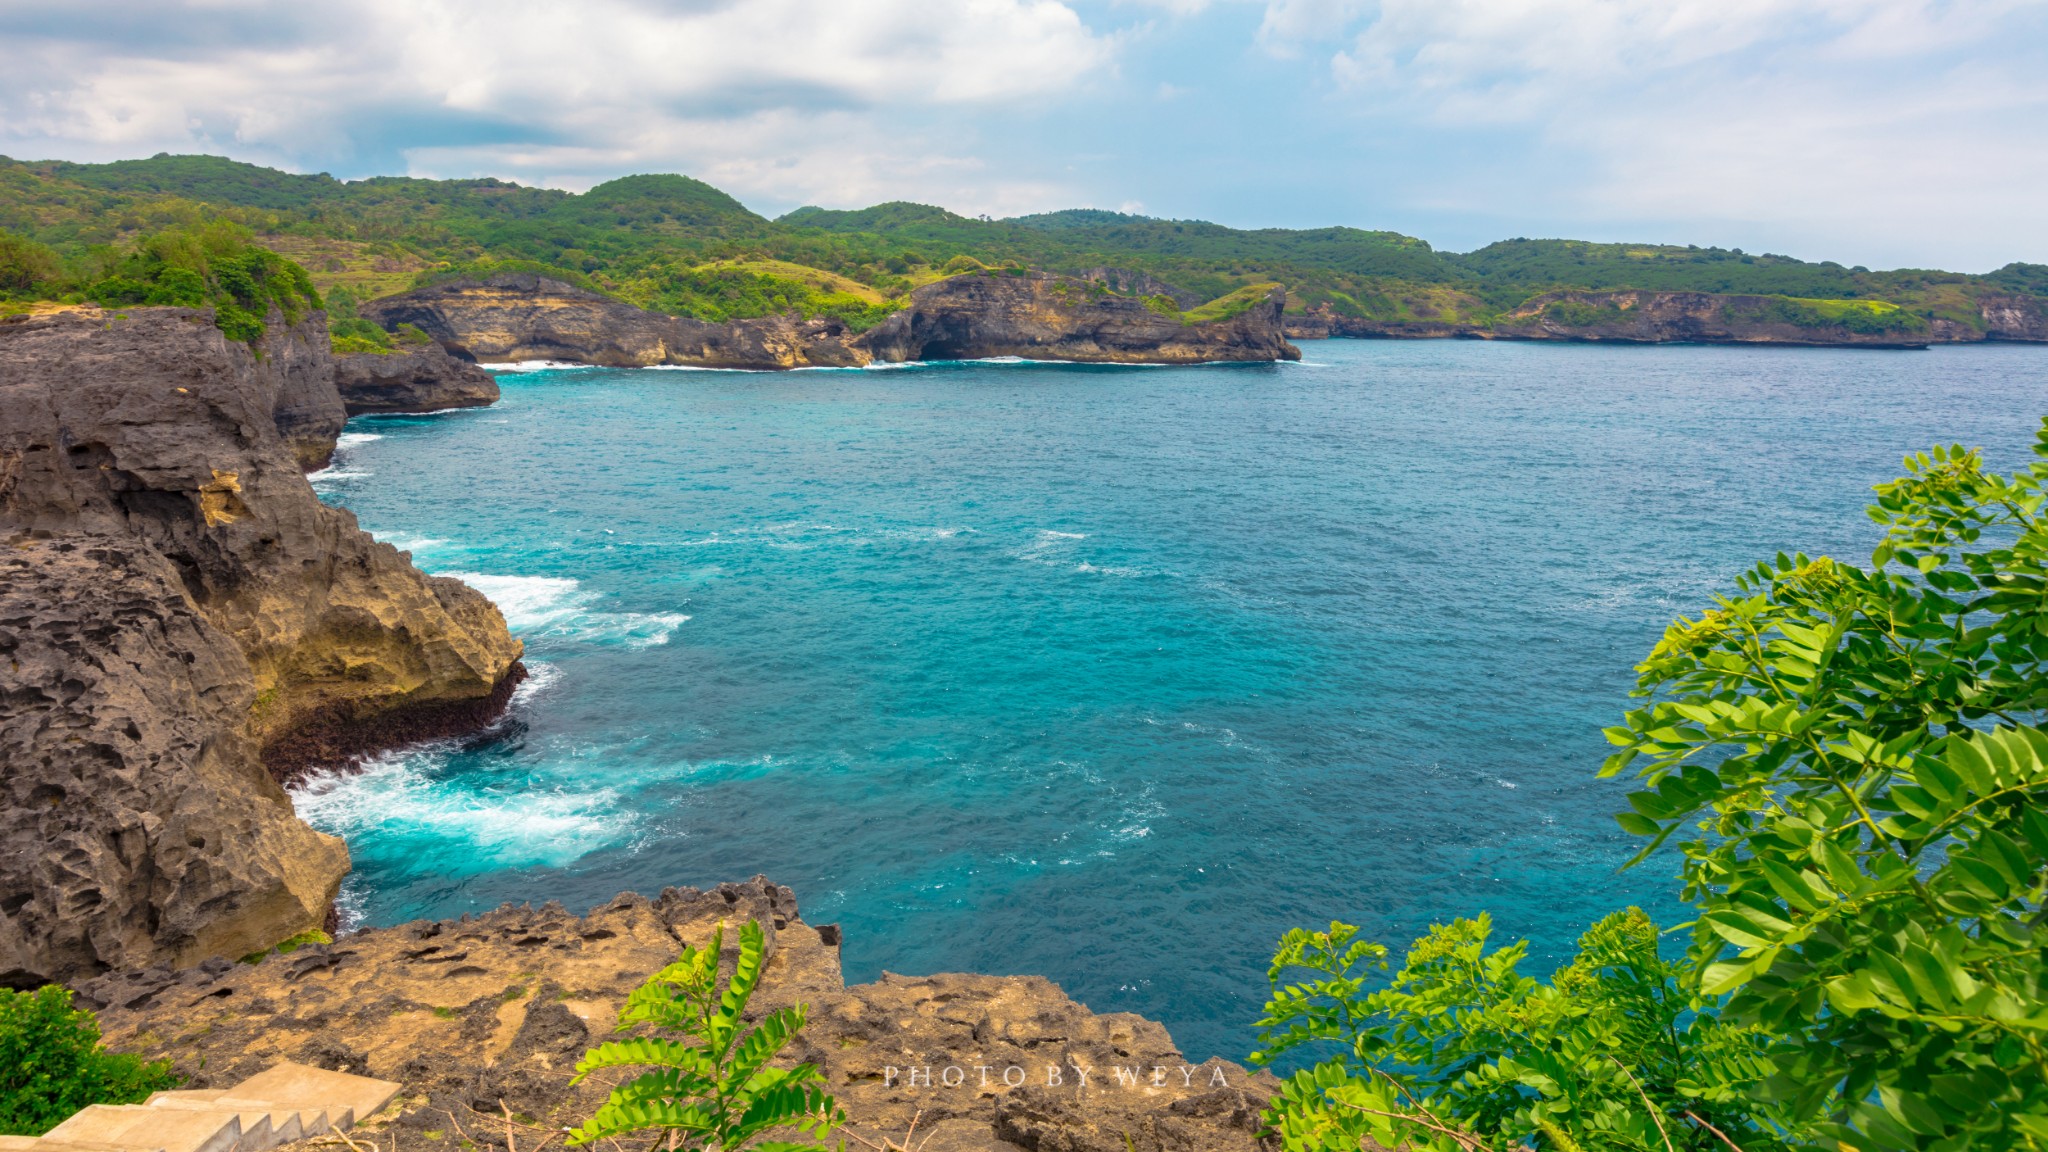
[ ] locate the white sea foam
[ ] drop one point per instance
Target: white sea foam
(335, 472)
(348, 440)
(559, 607)
(1110, 570)
(535, 366)
(408, 542)
(403, 795)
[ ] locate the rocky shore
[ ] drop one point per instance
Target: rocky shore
(183, 624)
(1641, 317)
(522, 316)
(414, 378)
(487, 1015)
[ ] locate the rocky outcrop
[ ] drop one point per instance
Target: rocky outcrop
(183, 623)
(1131, 282)
(486, 1015)
(513, 317)
(308, 414)
(1700, 318)
(1034, 315)
(1038, 316)
(1697, 318)
(415, 378)
(1321, 322)
(2014, 317)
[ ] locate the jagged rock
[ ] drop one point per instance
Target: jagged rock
(526, 317)
(415, 378)
(1131, 282)
(520, 316)
(1044, 317)
(308, 413)
(488, 1013)
(1680, 317)
(2014, 317)
(184, 622)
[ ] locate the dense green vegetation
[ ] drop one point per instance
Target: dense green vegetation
(51, 1063)
(708, 1084)
(680, 245)
(215, 265)
(1854, 764)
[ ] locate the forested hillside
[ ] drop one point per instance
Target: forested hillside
(679, 245)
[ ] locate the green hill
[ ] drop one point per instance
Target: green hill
(676, 242)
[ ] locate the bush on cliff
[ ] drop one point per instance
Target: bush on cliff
(218, 264)
(1855, 765)
(713, 1088)
(51, 1063)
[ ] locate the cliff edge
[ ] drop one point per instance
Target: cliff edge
(520, 316)
(488, 1014)
(183, 624)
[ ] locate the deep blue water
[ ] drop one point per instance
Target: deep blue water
(1108, 674)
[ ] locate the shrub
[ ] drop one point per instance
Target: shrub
(1854, 764)
(51, 1064)
(1611, 1053)
(713, 1089)
(26, 266)
(1858, 757)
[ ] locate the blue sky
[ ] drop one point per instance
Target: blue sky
(1878, 132)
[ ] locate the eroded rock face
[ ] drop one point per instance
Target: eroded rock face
(185, 623)
(2015, 317)
(468, 1013)
(526, 317)
(418, 378)
(516, 317)
(1042, 317)
(308, 413)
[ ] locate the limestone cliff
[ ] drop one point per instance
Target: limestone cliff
(416, 378)
(524, 317)
(519, 316)
(308, 414)
(1700, 318)
(468, 1013)
(1039, 316)
(183, 624)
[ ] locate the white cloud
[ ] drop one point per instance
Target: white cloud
(1830, 121)
(597, 86)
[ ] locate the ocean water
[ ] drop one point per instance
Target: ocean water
(1106, 674)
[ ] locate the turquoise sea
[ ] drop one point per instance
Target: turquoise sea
(1107, 674)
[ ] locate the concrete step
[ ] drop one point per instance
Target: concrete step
(133, 1126)
(262, 1128)
(206, 1094)
(345, 1098)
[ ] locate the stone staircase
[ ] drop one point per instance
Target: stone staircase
(285, 1103)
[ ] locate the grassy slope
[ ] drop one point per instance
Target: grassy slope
(678, 243)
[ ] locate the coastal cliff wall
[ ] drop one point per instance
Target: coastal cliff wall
(489, 1013)
(1639, 317)
(415, 378)
(524, 317)
(1043, 317)
(521, 316)
(183, 624)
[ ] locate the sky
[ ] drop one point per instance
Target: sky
(1888, 133)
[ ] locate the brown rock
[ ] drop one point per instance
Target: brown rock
(416, 378)
(2014, 317)
(520, 316)
(1038, 316)
(468, 1013)
(180, 603)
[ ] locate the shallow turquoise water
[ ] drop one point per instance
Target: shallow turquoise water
(1109, 674)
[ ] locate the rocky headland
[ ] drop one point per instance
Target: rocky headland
(183, 625)
(482, 1020)
(1038, 316)
(1643, 317)
(516, 317)
(413, 378)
